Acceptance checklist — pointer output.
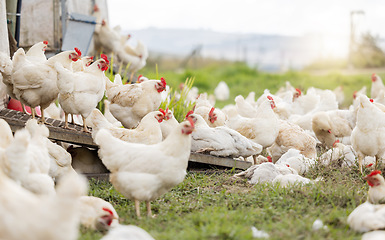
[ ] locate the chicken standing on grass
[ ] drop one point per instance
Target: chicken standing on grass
(131, 102)
(376, 193)
(80, 92)
(368, 136)
(144, 172)
(35, 83)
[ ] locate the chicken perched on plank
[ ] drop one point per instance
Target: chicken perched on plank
(131, 102)
(34, 83)
(147, 132)
(80, 92)
(169, 122)
(368, 136)
(221, 141)
(144, 172)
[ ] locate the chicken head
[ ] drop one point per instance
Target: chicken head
(161, 86)
(212, 116)
(188, 126)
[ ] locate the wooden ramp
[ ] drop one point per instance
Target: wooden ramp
(17, 120)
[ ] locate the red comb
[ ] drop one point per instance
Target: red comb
(369, 165)
(92, 58)
(373, 77)
(189, 113)
(104, 56)
(45, 42)
(140, 77)
(163, 81)
(162, 111)
(191, 121)
(270, 97)
(211, 110)
(108, 210)
(166, 109)
(375, 172)
(269, 159)
(336, 141)
(371, 100)
(77, 50)
(299, 91)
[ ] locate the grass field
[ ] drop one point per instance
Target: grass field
(211, 204)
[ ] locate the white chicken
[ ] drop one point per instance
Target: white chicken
(244, 108)
(58, 215)
(342, 154)
(108, 115)
(34, 83)
(264, 172)
(97, 214)
(214, 117)
(291, 180)
(368, 135)
(127, 232)
(36, 52)
(291, 136)
(80, 92)
(330, 125)
(222, 91)
(294, 159)
(147, 132)
(131, 102)
(169, 122)
(221, 141)
(374, 235)
(262, 129)
(367, 217)
(134, 57)
(376, 182)
(377, 86)
(61, 161)
(144, 172)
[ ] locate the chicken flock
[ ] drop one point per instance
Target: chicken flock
(146, 150)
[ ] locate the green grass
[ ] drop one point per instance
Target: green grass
(212, 205)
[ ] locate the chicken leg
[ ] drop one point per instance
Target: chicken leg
(85, 129)
(66, 121)
(137, 208)
(149, 212)
(360, 159)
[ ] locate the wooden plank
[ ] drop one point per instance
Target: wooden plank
(219, 161)
(17, 120)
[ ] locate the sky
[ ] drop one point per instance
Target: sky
(329, 19)
(284, 17)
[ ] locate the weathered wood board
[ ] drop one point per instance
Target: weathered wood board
(17, 120)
